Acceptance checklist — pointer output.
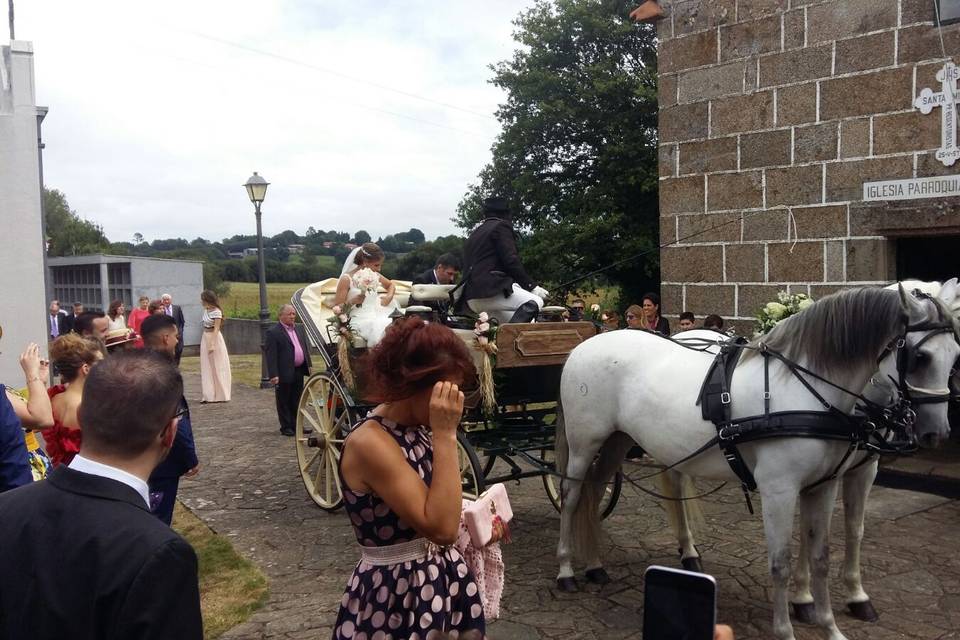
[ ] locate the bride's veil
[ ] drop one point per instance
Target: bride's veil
(350, 263)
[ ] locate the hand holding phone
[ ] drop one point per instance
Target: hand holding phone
(678, 605)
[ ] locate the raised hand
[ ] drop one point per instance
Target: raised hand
(446, 408)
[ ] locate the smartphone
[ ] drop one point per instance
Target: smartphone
(678, 605)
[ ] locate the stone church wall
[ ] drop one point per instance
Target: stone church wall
(779, 111)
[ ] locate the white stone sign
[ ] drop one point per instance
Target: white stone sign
(946, 99)
(912, 188)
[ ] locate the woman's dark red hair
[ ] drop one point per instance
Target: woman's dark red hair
(412, 356)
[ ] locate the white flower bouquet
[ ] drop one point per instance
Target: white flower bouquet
(366, 280)
(783, 307)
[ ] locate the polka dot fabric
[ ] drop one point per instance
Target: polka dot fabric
(420, 600)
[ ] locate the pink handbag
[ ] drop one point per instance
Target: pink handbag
(488, 517)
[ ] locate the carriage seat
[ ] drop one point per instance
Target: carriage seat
(431, 292)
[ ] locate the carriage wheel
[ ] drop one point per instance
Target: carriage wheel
(323, 418)
(551, 484)
(471, 472)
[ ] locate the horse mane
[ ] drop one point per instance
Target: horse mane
(842, 331)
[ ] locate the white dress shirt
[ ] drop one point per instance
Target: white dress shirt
(85, 465)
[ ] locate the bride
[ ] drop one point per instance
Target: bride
(369, 312)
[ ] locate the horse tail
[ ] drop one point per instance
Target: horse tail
(561, 450)
(682, 509)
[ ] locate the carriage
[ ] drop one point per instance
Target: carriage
(507, 438)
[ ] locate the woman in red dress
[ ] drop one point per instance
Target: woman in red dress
(136, 319)
(73, 356)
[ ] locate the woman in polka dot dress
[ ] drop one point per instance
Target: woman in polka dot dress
(401, 487)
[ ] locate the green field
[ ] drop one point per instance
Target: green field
(243, 300)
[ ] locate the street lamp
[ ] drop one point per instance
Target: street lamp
(257, 190)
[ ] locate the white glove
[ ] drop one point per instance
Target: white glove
(540, 292)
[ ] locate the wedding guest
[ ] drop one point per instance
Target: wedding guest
(610, 319)
(576, 310)
(634, 315)
(137, 316)
(155, 307)
(687, 321)
(160, 335)
(74, 356)
(115, 316)
(215, 375)
(92, 324)
(714, 322)
(17, 414)
(652, 319)
(401, 486)
(58, 322)
(81, 556)
(288, 361)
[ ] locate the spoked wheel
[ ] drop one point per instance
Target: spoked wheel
(323, 418)
(471, 472)
(551, 484)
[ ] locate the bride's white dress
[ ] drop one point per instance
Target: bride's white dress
(369, 319)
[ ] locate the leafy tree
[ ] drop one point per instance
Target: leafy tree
(69, 234)
(577, 155)
(137, 238)
(213, 278)
(361, 236)
(287, 237)
(425, 255)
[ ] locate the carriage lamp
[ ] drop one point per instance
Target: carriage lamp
(257, 190)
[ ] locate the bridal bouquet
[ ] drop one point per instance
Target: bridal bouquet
(783, 307)
(366, 280)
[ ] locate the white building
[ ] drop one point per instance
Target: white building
(22, 251)
(96, 280)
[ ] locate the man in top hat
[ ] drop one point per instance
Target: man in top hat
(496, 281)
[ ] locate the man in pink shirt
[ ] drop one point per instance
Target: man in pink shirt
(288, 361)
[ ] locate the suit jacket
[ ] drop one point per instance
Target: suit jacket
(67, 322)
(183, 453)
(83, 559)
(491, 264)
(280, 354)
(64, 325)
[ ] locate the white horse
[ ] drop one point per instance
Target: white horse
(858, 480)
(629, 386)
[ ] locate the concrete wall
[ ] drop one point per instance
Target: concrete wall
(778, 107)
(181, 279)
(23, 313)
(243, 336)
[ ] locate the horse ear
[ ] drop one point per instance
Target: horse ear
(908, 304)
(949, 291)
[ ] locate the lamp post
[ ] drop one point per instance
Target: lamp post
(257, 190)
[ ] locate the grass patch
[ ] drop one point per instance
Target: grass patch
(245, 368)
(231, 587)
(243, 300)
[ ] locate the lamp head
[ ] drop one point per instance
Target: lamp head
(256, 188)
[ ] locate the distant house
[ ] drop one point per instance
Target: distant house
(250, 251)
(235, 254)
(295, 249)
(349, 246)
(95, 280)
(329, 244)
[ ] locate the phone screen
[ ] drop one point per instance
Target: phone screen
(678, 605)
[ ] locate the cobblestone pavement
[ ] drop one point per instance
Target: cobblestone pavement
(249, 490)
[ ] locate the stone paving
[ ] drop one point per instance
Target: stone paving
(250, 491)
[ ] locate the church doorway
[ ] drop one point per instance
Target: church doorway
(928, 258)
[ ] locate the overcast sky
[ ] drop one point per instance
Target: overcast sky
(159, 114)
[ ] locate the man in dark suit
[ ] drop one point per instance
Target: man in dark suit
(58, 322)
(288, 361)
(82, 556)
(496, 281)
(175, 312)
(445, 272)
(159, 334)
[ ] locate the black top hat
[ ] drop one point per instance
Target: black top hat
(496, 207)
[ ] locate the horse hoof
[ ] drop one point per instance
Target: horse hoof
(692, 564)
(598, 576)
(568, 585)
(804, 612)
(863, 611)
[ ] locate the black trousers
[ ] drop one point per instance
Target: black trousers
(288, 397)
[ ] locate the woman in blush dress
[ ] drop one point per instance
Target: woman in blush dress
(401, 487)
(215, 375)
